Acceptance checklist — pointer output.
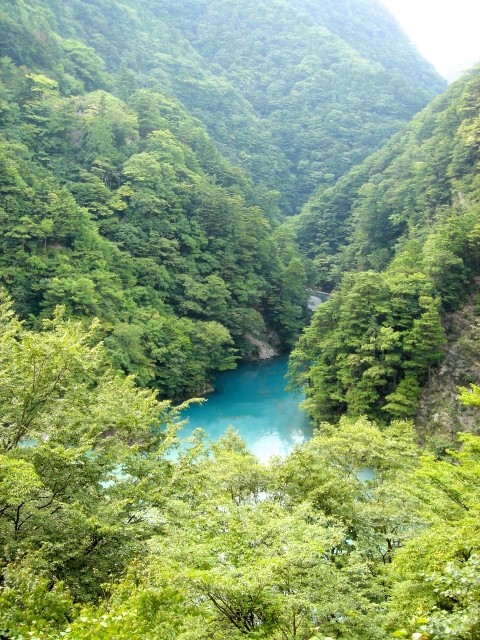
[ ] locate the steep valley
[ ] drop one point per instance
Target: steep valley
(188, 185)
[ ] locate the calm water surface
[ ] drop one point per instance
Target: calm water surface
(253, 400)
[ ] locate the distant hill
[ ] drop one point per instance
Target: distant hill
(329, 80)
(294, 92)
(398, 193)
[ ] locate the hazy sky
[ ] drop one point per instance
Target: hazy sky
(445, 31)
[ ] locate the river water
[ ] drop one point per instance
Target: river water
(253, 400)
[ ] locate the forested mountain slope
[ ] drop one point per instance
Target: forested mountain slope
(117, 203)
(319, 75)
(399, 238)
(130, 214)
(296, 93)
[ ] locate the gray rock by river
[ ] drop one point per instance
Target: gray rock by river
(316, 298)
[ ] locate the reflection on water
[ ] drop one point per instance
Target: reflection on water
(272, 444)
(253, 400)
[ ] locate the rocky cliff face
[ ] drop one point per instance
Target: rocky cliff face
(266, 349)
(441, 414)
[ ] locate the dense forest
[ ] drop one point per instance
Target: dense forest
(106, 537)
(173, 176)
(398, 239)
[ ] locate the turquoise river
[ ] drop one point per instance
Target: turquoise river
(253, 400)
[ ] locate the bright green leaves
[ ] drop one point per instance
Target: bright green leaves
(470, 396)
(30, 605)
(35, 374)
(69, 429)
(436, 573)
(215, 544)
(83, 63)
(19, 482)
(250, 561)
(355, 473)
